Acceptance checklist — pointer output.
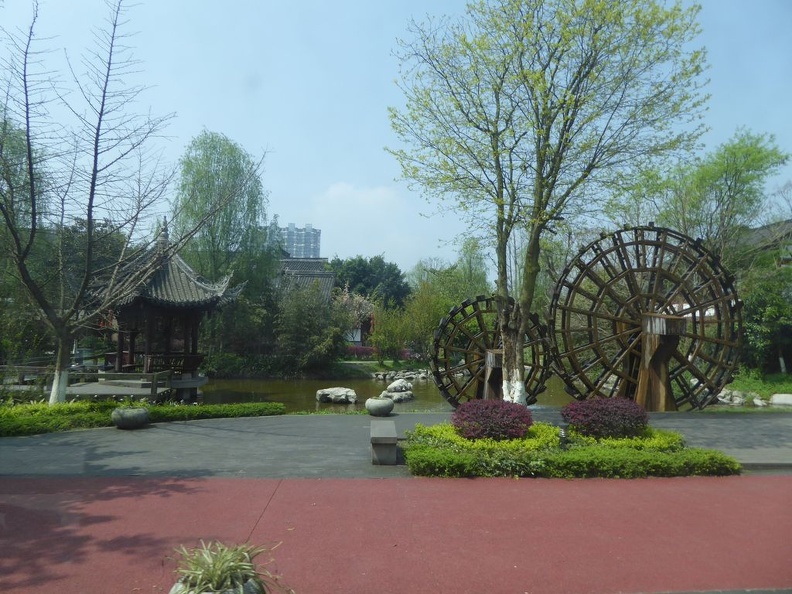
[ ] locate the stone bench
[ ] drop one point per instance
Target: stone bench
(383, 442)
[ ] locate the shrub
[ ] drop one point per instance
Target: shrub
(606, 417)
(606, 462)
(439, 451)
(33, 419)
(493, 419)
(365, 353)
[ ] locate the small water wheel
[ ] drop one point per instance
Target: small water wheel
(467, 353)
(646, 313)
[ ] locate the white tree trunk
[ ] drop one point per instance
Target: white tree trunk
(59, 383)
(514, 388)
(61, 379)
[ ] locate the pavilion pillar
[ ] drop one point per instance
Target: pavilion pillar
(149, 335)
(119, 350)
(195, 323)
(132, 337)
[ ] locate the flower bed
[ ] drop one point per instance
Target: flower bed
(440, 451)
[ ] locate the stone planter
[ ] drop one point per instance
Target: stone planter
(379, 407)
(130, 418)
(249, 587)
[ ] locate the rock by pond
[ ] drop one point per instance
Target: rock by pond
(337, 395)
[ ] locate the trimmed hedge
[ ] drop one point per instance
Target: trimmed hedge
(606, 417)
(34, 419)
(491, 419)
(439, 451)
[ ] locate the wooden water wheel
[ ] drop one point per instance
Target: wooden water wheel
(642, 310)
(466, 354)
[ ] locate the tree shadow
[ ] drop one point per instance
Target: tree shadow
(50, 524)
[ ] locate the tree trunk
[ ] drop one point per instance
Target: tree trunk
(62, 364)
(513, 366)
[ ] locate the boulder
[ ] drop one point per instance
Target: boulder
(398, 396)
(781, 400)
(400, 385)
(402, 396)
(337, 395)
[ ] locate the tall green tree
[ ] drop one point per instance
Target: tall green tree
(524, 111)
(214, 165)
(720, 197)
(373, 278)
(235, 240)
(311, 330)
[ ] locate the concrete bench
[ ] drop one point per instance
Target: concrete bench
(383, 442)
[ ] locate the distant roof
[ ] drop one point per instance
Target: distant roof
(305, 272)
(771, 234)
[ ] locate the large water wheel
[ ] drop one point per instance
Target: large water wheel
(643, 310)
(467, 349)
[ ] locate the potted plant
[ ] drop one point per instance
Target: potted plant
(130, 415)
(216, 568)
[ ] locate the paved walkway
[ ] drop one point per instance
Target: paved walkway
(101, 511)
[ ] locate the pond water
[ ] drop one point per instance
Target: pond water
(300, 395)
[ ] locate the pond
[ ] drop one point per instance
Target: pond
(299, 396)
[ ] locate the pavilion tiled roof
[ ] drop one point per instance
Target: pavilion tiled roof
(173, 283)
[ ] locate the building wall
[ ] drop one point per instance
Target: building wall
(301, 242)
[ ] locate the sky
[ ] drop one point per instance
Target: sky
(307, 83)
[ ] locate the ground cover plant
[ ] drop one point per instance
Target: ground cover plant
(37, 418)
(602, 440)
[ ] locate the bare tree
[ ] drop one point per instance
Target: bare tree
(74, 155)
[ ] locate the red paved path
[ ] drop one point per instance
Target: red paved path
(108, 535)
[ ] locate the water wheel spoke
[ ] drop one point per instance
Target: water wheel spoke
(599, 306)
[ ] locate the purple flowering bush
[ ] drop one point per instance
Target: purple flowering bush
(493, 419)
(606, 417)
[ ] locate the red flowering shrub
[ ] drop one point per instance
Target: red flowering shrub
(606, 417)
(495, 419)
(360, 352)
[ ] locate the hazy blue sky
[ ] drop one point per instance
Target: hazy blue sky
(309, 82)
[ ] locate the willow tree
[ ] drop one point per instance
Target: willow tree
(523, 111)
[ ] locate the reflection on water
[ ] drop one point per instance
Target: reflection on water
(300, 395)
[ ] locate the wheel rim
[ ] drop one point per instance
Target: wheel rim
(599, 301)
(460, 344)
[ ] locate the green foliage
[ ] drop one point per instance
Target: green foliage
(389, 334)
(767, 315)
(220, 191)
(216, 567)
(373, 278)
(37, 418)
(32, 419)
(311, 330)
(606, 462)
(177, 412)
(765, 385)
(439, 451)
(716, 198)
(219, 181)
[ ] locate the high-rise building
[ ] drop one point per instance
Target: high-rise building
(301, 242)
